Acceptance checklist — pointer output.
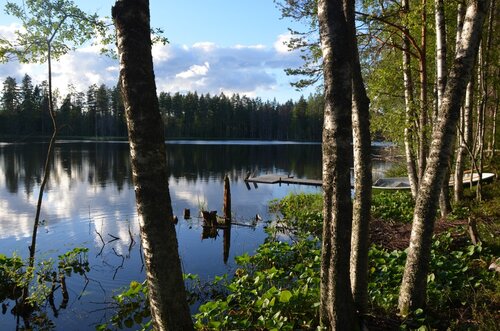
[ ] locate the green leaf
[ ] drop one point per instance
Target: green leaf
(285, 296)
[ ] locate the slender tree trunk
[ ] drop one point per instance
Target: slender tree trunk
(423, 116)
(465, 133)
(45, 179)
(464, 138)
(484, 64)
(413, 288)
(336, 304)
(48, 160)
(441, 70)
(167, 296)
(362, 174)
(409, 110)
(494, 128)
(481, 107)
(440, 50)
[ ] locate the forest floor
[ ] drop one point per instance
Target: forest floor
(486, 215)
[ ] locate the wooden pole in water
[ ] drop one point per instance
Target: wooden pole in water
(227, 201)
(227, 217)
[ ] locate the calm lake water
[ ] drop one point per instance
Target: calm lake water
(90, 195)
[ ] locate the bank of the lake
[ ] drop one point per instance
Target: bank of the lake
(278, 287)
(89, 201)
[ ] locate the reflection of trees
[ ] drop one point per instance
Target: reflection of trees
(97, 164)
(201, 162)
(102, 163)
(19, 165)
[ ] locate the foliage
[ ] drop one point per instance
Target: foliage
(298, 213)
(11, 276)
(277, 288)
(47, 24)
(132, 308)
(385, 274)
(393, 206)
(307, 42)
(16, 275)
(74, 262)
(398, 169)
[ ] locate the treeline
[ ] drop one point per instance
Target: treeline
(99, 112)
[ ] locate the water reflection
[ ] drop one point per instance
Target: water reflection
(89, 201)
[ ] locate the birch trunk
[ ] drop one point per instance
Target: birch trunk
(483, 95)
(464, 136)
(423, 116)
(441, 70)
(336, 304)
(362, 174)
(494, 128)
(167, 296)
(409, 110)
(413, 288)
(484, 64)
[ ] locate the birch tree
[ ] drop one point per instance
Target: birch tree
(413, 287)
(409, 129)
(50, 29)
(441, 73)
(336, 303)
(465, 123)
(167, 295)
(362, 172)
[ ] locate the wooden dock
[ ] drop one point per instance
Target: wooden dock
(283, 179)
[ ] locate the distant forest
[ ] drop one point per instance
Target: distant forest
(99, 112)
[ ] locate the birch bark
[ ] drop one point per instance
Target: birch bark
(336, 304)
(413, 288)
(167, 296)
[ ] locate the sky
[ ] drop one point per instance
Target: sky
(229, 46)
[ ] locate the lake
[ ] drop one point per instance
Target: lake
(89, 200)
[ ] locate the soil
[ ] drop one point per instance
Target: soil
(397, 236)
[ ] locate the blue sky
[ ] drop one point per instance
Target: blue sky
(230, 46)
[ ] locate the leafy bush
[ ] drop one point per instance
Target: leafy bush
(385, 275)
(298, 213)
(277, 288)
(16, 276)
(132, 308)
(393, 206)
(398, 169)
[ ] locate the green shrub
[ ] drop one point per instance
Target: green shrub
(298, 213)
(277, 288)
(393, 206)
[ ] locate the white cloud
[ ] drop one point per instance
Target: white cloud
(113, 68)
(161, 53)
(205, 46)
(279, 44)
(195, 71)
(8, 31)
(238, 46)
(205, 67)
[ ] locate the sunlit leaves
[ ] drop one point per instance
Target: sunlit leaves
(55, 25)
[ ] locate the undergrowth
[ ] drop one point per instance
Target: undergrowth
(277, 288)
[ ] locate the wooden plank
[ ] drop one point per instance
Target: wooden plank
(283, 179)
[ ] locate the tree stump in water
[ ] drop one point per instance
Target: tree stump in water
(227, 201)
(209, 218)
